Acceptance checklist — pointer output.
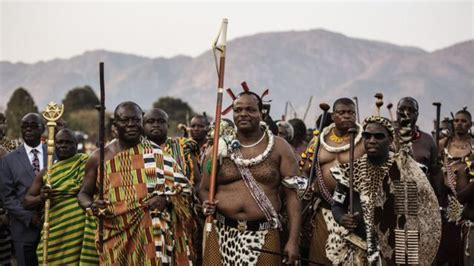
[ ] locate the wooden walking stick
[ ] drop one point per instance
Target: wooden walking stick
(51, 114)
(101, 154)
(389, 107)
(221, 49)
(437, 129)
(325, 107)
(378, 102)
(352, 132)
(357, 108)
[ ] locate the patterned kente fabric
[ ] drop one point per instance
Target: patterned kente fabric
(132, 234)
(182, 149)
(395, 197)
(71, 233)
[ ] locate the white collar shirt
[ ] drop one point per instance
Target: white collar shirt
(30, 154)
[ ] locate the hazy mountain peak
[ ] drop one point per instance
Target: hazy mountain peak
(294, 65)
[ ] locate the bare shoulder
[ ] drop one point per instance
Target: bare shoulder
(109, 151)
(282, 145)
(94, 154)
(442, 143)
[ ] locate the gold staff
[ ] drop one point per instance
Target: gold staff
(51, 114)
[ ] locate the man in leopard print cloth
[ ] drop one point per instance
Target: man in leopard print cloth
(248, 202)
(395, 208)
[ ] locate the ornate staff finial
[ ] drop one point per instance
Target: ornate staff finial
(51, 114)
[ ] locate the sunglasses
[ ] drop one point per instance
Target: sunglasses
(379, 135)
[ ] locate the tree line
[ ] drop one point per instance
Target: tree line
(80, 111)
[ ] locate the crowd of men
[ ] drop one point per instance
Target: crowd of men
(378, 193)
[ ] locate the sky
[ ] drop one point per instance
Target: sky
(39, 31)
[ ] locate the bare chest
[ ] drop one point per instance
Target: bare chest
(265, 173)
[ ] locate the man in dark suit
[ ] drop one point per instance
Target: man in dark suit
(17, 170)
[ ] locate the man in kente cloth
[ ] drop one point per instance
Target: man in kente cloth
(71, 231)
(145, 197)
(333, 150)
(184, 151)
(395, 210)
(247, 201)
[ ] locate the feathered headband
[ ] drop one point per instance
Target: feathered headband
(246, 88)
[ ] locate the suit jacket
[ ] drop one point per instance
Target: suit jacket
(16, 177)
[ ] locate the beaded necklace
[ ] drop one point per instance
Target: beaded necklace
(254, 144)
(238, 160)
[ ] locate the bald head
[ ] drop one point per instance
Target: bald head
(155, 125)
(127, 105)
(32, 126)
(65, 143)
(156, 112)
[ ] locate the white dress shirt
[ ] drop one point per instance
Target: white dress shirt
(31, 154)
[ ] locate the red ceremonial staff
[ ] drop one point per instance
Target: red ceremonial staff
(219, 54)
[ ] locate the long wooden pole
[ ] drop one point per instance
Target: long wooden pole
(215, 143)
(101, 152)
(307, 107)
(352, 132)
(437, 125)
(325, 107)
(51, 114)
(356, 100)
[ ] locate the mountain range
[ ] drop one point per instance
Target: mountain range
(294, 65)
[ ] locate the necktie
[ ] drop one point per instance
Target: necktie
(35, 163)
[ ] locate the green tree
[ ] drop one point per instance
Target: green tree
(20, 104)
(87, 121)
(178, 111)
(79, 98)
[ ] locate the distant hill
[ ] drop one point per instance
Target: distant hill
(294, 65)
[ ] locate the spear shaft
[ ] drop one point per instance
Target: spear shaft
(215, 143)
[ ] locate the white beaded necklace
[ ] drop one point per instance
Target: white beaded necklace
(236, 156)
(346, 147)
(254, 144)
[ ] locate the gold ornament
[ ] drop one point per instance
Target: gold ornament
(335, 138)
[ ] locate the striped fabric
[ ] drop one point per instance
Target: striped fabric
(5, 246)
(182, 149)
(131, 235)
(69, 234)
